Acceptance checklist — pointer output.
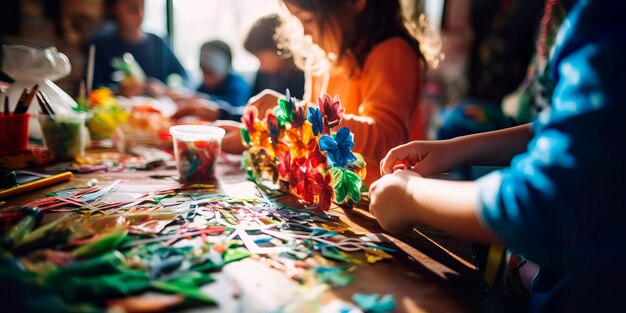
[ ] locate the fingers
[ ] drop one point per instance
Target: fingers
(264, 101)
(183, 112)
(232, 143)
(228, 125)
(393, 156)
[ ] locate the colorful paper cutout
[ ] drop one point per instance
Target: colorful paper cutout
(295, 144)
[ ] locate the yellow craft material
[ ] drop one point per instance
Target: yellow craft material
(37, 184)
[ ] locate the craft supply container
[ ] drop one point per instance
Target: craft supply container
(196, 148)
(13, 133)
(64, 135)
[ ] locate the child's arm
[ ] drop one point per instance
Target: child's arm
(401, 200)
(431, 157)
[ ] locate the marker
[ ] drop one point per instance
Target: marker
(31, 216)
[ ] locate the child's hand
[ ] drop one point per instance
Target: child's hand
(200, 108)
(232, 142)
(265, 100)
(392, 201)
(131, 90)
(423, 157)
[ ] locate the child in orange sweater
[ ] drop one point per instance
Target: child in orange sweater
(375, 66)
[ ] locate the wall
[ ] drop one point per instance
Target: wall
(60, 23)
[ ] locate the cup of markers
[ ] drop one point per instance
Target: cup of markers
(196, 148)
(13, 133)
(14, 125)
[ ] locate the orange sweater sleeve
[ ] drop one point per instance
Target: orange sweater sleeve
(389, 90)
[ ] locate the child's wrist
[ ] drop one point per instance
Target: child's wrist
(460, 150)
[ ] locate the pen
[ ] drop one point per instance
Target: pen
(37, 184)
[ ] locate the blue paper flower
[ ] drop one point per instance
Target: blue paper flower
(315, 118)
(338, 149)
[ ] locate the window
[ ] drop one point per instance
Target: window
(198, 21)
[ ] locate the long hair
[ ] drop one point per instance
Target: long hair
(379, 20)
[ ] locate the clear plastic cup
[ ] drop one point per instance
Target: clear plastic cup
(196, 148)
(13, 133)
(64, 135)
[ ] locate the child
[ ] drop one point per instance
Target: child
(559, 201)
(223, 93)
(376, 69)
(149, 51)
(277, 71)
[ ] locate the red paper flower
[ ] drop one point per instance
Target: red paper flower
(249, 117)
(302, 179)
(331, 110)
(315, 156)
(323, 191)
(284, 160)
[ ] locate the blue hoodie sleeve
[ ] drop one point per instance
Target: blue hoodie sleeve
(562, 201)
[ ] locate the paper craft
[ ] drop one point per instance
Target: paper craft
(373, 303)
(296, 147)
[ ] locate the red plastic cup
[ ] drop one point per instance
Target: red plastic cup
(13, 133)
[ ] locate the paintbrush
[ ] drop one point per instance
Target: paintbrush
(42, 104)
(20, 102)
(30, 98)
(46, 102)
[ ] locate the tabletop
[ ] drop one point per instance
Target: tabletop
(429, 272)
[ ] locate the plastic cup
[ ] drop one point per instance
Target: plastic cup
(196, 148)
(13, 133)
(64, 135)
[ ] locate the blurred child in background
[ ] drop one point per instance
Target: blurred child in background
(277, 70)
(222, 93)
(148, 50)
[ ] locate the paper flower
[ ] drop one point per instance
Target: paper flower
(302, 179)
(299, 116)
(323, 190)
(315, 118)
(294, 144)
(299, 139)
(245, 136)
(284, 160)
(315, 156)
(249, 117)
(273, 127)
(331, 110)
(339, 148)
(106, 113)
(284, 111)
(346, 183)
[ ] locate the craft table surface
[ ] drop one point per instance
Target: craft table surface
(431, 272)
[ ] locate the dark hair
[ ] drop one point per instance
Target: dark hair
(108, 7)
(378, 21)
(219, 45)
(261, 36)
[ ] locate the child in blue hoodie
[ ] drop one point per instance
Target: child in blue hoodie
(559, 201)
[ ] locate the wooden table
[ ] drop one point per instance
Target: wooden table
(430, 273)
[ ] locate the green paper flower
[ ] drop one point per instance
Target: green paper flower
(284, 112)
(245, 136)
(345, 183)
